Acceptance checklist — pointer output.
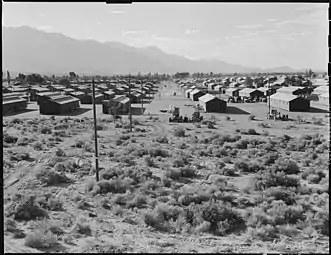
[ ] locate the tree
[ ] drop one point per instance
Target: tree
(113, 108)
(64, 82)
(72, 75)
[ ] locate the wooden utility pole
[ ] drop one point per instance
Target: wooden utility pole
(95, 133)
(269, 95)
(141, 97)
(130, 115)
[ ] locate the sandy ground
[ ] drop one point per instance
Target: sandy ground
(114, 233)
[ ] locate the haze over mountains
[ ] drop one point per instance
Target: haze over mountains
(27, 49)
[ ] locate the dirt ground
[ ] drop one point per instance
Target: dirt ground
(112, 225)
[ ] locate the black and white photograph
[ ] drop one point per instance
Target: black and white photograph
(192, 127)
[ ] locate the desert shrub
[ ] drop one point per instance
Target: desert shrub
(155, 152)
(282, 214)
(270, 158)
(210, 125)
(84, 228)
(279, 193)
(314, 178)
(23, 141)
(242, 144)
(264, 233)
(37, 146)
(219, 164)
(114, 186)
(61, 127)
(243, 202)
(179, 132)
(227, 160)
(166, 182)
(10, 225)
(203, 227)
(55, 204)
(24, 207)
(19, 156)
(50, 177)
(87, 147)
(119, 142)
(227, 118)
(188, 172)
(120, 199)
(318, 121)
(252, 131)
(108, 174)
(173, 174)
(100, 127)
(149, 161)
(286, 165)
(178, 162)
(161, 139)
(16, 121)
(227, 172)
(127, 160)
(223, 219)
(265, 133)
(9, 138)
(151, 219)
(241, 166)
(263, 125)
(270, 179)
(124, 137)
(46, 130)
(139, 201)
(40, 238)
(60, 153)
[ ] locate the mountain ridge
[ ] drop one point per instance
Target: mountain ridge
(27, 49)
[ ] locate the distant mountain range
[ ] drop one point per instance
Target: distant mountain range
(27, 49)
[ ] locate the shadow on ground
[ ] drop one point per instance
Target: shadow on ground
(235, 110)
(146, 101)
(20, 112)
(78, 112)
(318, 110)
(137, 110)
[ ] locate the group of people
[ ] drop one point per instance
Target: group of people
(238, 99)
(278, 116)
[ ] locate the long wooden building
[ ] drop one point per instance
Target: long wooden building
(211, 103)
(289, 102)
(58, 105)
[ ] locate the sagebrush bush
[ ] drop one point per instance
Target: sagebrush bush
(161, 139)
(60, 153)
(188, 172)
(40, 238)
(174, 174)
(46, 130)
(9, 138)
(38, 146)
(50, 177)
(24, 207)
(223, 219)
(151, 219)
(149, 161)
(155, 152)
(179, 132)
(270, 179)
(286, 165)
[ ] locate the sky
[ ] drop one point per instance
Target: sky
(256, 35)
